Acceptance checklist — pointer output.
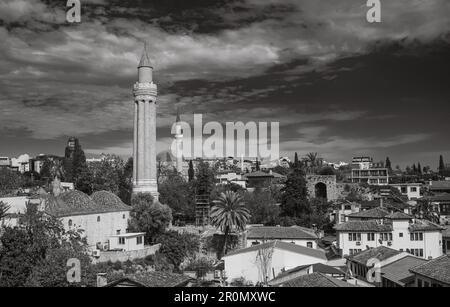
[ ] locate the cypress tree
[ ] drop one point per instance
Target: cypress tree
(441, 165)
(191, 172)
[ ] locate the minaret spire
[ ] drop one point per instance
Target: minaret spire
(145, 60)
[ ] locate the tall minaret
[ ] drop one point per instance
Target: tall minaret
(144, 149)
(179, 143)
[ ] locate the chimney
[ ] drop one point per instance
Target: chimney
(101, 280)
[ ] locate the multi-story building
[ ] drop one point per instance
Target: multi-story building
(365, 171)
(396, 230)
(434, 273)
(410, 190)
(21, 163)
(5, 162)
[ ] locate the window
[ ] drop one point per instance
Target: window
(413, 189)
(411, 237)
(70, 223)
(121, 240)
(354, 236)
(417, 236)
(400, 234)
(123, 216)
(403, 190)
(426, 284)
(98, 218)
(118, 232)
(371, 236)
(138, 240)
(419, 283)
(309, 244)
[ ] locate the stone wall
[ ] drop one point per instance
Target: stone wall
(114, 256)
(328, 180)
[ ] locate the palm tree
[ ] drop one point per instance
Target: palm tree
(3, 211)
(228, 214)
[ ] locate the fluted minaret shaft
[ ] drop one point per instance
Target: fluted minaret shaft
(144, 147)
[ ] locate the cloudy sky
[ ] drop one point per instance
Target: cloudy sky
(337, 84)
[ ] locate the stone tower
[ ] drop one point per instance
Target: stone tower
(179, 144)
(144, 143)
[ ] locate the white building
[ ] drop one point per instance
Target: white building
(396, 230)
(127, 241)
(410, 190)
(263, 262)
(21, 163)
(295, 234)
(100, 218)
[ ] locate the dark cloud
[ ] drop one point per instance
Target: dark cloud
(337, 84)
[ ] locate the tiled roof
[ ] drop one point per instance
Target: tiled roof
(275, 232)
(424, 225)
(364, 226)
(399, 216)
(375, 213)
(440, 185)
(437, 269)
(154, 279)
(439, 197)
(398, 271)
(315, 280)
(381, 253)
(77, 203)
(320, 254)
(258, 174)
(317, 267)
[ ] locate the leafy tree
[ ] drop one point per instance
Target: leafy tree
(176, 247)
(296, 161)
(9, 181)
(262, 207)
(105, 174)
(126, 182)
(200, 265)
(25, 249)
(52, 271)
(191, 172)
(149, 216)
(425, 210)
(327, 170)
(178, 194)
(75, 165)
(228, 214)
(388, 164)
(294, 201)
(204, 182)
(441, 167)
(281, 170)
(16, 260)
